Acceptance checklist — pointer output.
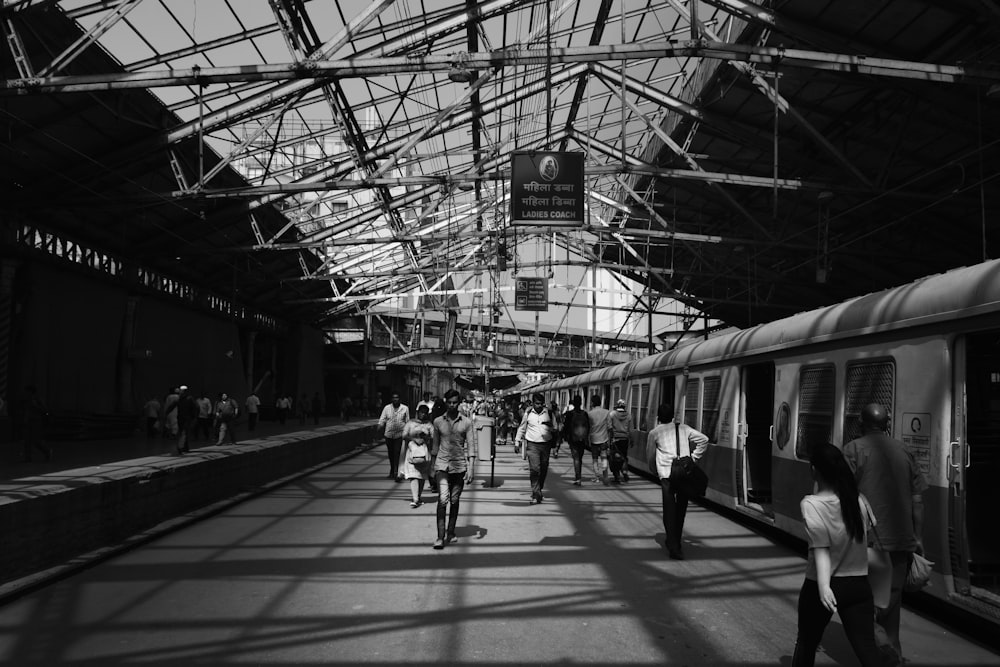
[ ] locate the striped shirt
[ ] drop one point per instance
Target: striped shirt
(393, 420)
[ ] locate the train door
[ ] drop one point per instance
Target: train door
(974, 467)
(756, 408)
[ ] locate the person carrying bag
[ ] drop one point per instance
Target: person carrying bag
(663, 449)
(685, 474)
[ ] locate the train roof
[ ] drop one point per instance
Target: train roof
(963, 292)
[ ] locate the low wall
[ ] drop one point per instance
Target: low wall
(49, 520)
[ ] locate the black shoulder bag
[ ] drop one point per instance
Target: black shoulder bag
(685, 475)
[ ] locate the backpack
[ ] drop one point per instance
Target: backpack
(577, 425)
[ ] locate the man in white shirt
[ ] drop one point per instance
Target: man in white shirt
(666, 442)
(536, 434)
(253, 410)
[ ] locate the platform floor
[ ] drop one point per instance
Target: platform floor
(335, 568)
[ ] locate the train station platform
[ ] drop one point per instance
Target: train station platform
(334, 567)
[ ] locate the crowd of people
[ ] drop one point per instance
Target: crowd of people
(186, 417)
(867, 494)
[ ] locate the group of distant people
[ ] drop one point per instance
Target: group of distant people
(186, 417)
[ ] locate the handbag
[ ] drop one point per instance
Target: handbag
(918, 574)
(418, 455)
(685, 475)
(879, 563)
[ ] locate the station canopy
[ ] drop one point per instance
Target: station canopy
(318, 159)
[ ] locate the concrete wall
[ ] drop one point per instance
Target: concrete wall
(49, 520)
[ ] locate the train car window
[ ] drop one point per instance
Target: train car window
(616, 393)
(817, 396)
(691, 390)
(710, 407)
(640, 404)
(867, 382)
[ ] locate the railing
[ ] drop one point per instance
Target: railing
(578, 352)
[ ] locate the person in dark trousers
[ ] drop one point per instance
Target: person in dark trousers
(536, 434)
(392, 423)
(837, 569)
(35, 414)
(889, 477)
(576, 433)
(621, 430)
(226, 412)
(316, 408)
(667, 441)
(187, 419)
(454, 465)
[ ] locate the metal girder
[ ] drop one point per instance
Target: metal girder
(305, 74)
(478, 267)
(89, 38)
(17, 52)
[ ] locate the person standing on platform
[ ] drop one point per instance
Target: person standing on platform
(837, 570)
(536, 434)
(391, 423)
(426, 400)
(889, 477)
(204, 428)
(316, 408)
(576, 433)
(187, 419)
(454, 467)
(253, 410)
(600, 436)
(169, 420)
(226, 411)
(621, 430)
(302, 408)
(284, 406)
(667, 441)
(557, 416)
(35, 414)
(152, 412)
(418, 437)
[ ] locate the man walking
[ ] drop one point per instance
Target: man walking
(536, 434)
(890, 479)
(621, 430)
(454, 466)
(253, 410)
(392, 423)
(600, 437)
(576, 433)
(667, 441)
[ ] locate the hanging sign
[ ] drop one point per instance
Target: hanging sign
(546, 189)
(531, 293)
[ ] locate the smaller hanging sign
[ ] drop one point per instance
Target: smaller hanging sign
(531, 293)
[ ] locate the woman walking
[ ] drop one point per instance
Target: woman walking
(416, 463)
(837, 570)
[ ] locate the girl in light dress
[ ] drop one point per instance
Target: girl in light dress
(417, 437)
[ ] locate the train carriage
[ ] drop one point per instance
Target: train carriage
(929, 351)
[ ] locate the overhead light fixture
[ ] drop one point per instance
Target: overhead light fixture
(460, 74)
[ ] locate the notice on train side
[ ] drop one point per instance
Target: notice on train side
(916, 435)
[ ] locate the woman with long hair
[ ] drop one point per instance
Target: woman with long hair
(837, 570)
